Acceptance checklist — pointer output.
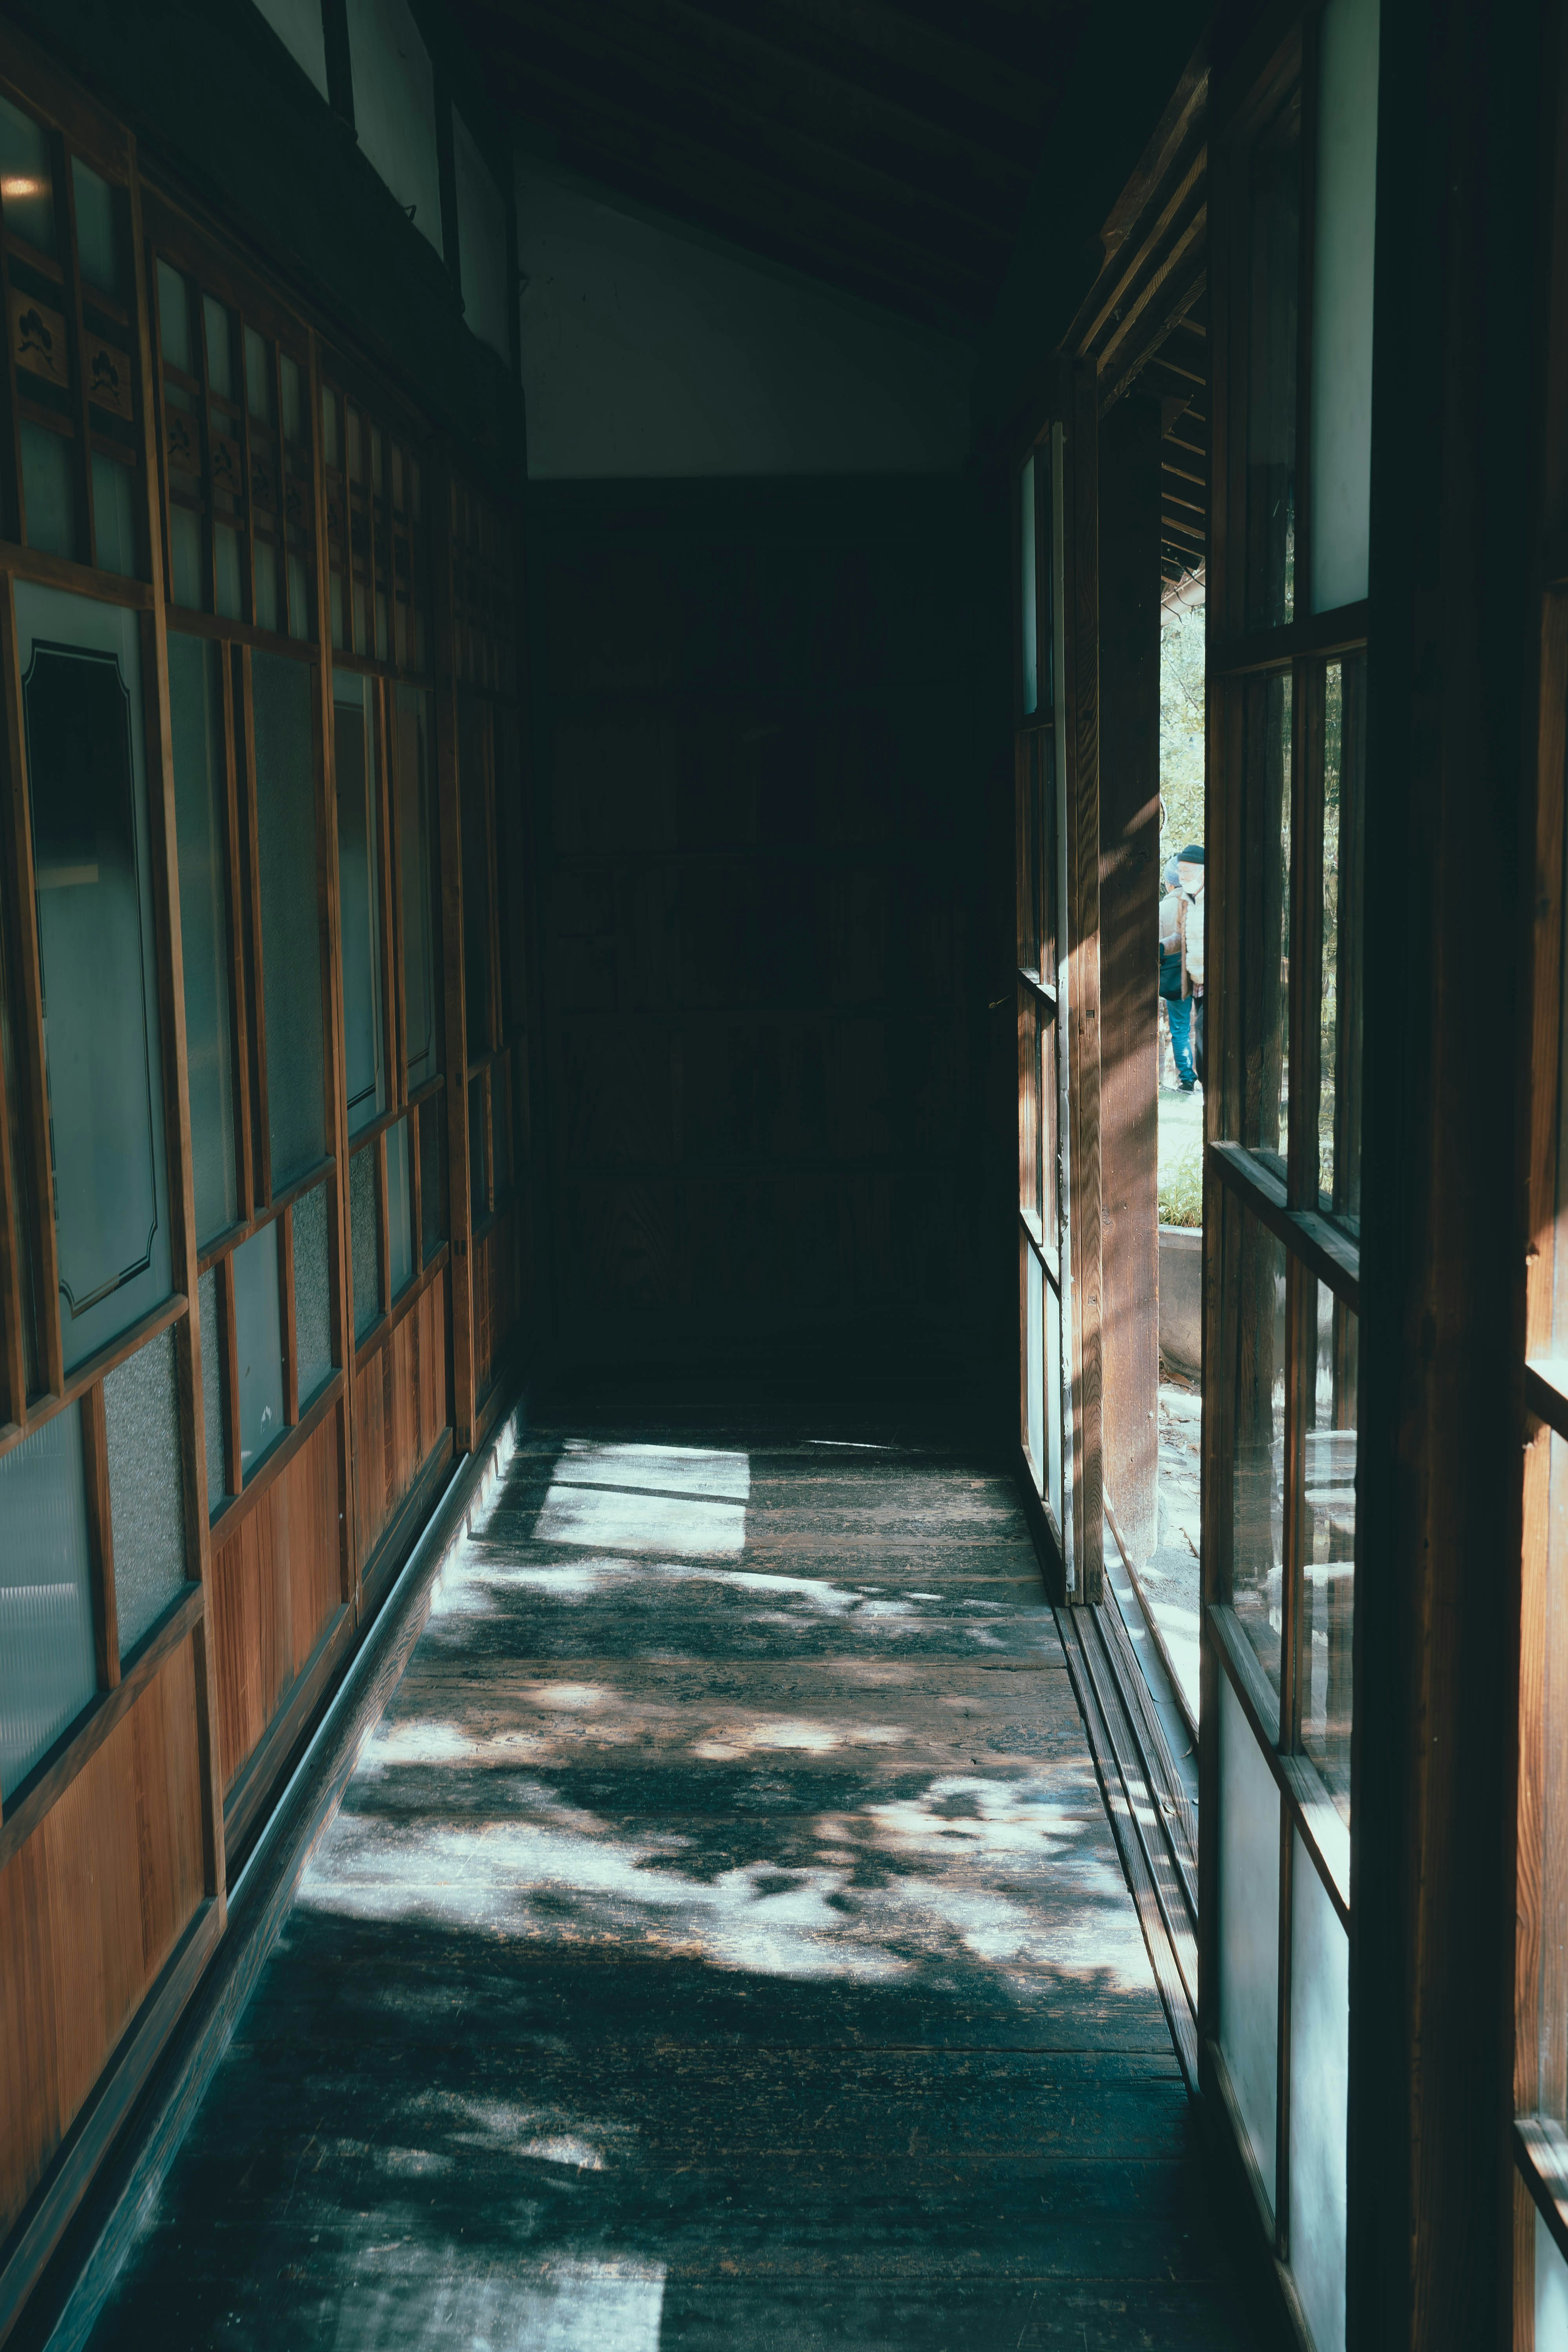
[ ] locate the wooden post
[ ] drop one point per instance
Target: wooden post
(1082, 962)
(1130, 482)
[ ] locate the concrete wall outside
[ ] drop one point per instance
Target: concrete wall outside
(1182, 1298)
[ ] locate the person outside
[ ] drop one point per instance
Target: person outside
(1182, 962)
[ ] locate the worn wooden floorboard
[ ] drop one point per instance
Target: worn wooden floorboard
(721, 1944)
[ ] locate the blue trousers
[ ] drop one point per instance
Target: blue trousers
(1180, 1009)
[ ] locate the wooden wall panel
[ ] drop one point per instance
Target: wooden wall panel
(275, 1583)
(498, 1294)
(91, 1908)
(400, 1411)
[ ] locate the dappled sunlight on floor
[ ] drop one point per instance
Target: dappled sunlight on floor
(721, 1944)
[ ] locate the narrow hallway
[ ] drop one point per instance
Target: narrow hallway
(722, 1943)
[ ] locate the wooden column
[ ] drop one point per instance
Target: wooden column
(1129, 981)
(1081, 962)
(1454, 633)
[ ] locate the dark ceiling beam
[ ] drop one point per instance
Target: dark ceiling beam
(778, 218)
(922, 49)
(612, 55)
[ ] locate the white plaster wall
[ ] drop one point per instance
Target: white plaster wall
(395, 106)
(481, 241)
(297, 24)
(647, 352)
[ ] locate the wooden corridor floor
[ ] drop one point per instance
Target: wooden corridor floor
(721, 1944)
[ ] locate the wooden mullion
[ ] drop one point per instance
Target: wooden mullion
(398, 996)
(103, 1361)
(100, 1538)
(261, 1124)
(1332, 1256)
(65, 181)
(492, 928)
(235, 870)
(1300, 1347)
(209, 491)
(286, 1316)
(27, 1013)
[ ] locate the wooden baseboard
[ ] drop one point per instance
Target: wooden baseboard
(44, 2218)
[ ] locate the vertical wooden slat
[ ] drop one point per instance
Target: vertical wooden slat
(100, 1538)
(188, 1359)
(1082, 916)
(27, 1011)
(448, 783)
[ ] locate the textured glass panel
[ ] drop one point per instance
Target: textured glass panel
(329, 426)
(365, 1240)
(288, 370)
(1271, 361)
(48, 491)
(220, 351)
(196, 709)
(1339, 1001)
(478, 1175)
(113, 516)
(1342, 301)
(266, 584)
(359, 896)
(1029, 603)
(432, 1175)
(1249, 1929)
(211, 1388)
(417, 850)
(472, 763)
(174, 320)
(1054, 1402)
(290, 931)
(299, 598)
(259, 1347)
(146, 1487)
(82, 712)
(46, 1669)
(97, 231)
(1328, 1521)
(312, 1292)
(1320, 2101)
(186, 558)
(399, 1208)
(257, 377)
(227, 560)
(1266, 943)
(1034, 1363)
(1550, 2291)
(1258, 1488)
(26, 181)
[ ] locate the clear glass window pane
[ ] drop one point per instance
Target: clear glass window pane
(1342, 301)
(258, 1346)
(1266, 944)
(212, 1388)
(1029, 601)
(1249, 1930)
(146, 1487)
(113, 516)
(1256, 1318)
(1053, 1394)
(257, 377)
(1034, 1363)
(432, 1175)
(196, 709)
(1339, 1099)
(174, 320)
(220, 354)
(47, 1668)
(312, 1292)
(399, 1208)
(1275, 242)
(417, 855)
(1319, 2100)
(359, 896)
(365, 1240)
(229, 560)
(1328, 1521)
(266, 561)
(293, 415)
(81, 699)
(299, 599)
(48, 489)
(186, 558)
(26, 179)
(291, 922)
(97, 231)
(1028, 1101)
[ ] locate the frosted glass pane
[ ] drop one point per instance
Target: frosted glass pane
(87, 784)
(417, 851)
(1249, 1929)
(359, 897)
(1257, 1454)
(259, 1347)
(266, 558)
(432, 1175)
(186, 558)
(114, 517)
(146, 1487)
(1034, 1362)
(257, 377)
(291, 928)
(27, 183)
(1029, 615)
(195, 711)
(46, 490)
(220, 352)
(1054, 1401)
(173, 319)
(225, 576)
(1342, 301)
(97, 230)
(312, 1293)
(212, 1388)
(1320, 2101)
(1550, 2291)
(364, 1241)
(46, 1672)
(399, 1208)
